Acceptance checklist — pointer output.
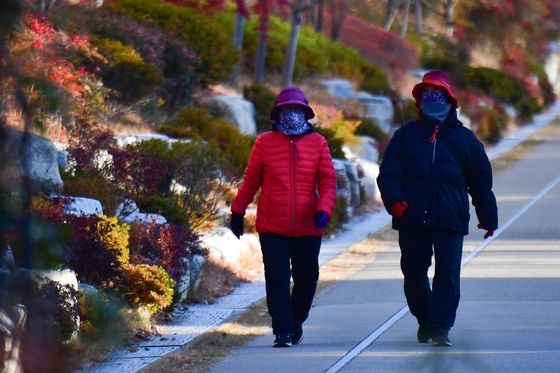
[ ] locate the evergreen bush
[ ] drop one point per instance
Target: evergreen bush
(233, 146)
(149, 286)
(368, 127)
(207, 35)
(263, 99)
(125, 71)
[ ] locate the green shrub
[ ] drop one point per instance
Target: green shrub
(107, 321)
(374, 80)
(126, 71)
(149, 286)
(442, 54)
(263, 99)
(490, 122)
(497, 84)
(335, 143)
(339, 216)
(166, 206)
(196, 166)
(93, 186)
(345, 129)
(45, 240)
(405, 111)
(209, 36)
(316, 54)
(233, 146)
(368, 127)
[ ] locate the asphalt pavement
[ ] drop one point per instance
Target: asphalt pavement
(509, 316)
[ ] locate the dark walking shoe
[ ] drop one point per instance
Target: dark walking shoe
(283, 340)
(424, 334)
(441, 338)
(297, 336)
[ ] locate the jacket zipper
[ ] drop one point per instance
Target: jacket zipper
(433, 140)
(293, 182)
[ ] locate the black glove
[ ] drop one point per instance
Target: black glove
(236, 224)
(489, 232)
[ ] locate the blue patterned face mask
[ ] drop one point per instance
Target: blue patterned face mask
(292, 121)
(435, 106)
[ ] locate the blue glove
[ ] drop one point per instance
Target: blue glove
(321, 219)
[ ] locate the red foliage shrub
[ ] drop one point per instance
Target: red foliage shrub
(88, 254)
(168, 246)
(135, 174)
(375, 44)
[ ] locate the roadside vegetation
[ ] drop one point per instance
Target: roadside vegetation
(82, 75)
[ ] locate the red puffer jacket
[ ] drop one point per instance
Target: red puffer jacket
(297, 179)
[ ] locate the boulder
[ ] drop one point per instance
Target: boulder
(33, 156)
(236, 110)
(81, 206)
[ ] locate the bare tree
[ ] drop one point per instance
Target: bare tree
(404, 21)
(242, 12)
(391, 13)
(316, 10)
(297, 7)
(338, 10)
(418, 16)
(449, 5)
(263, 36)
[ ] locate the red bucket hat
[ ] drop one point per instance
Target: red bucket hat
(438, 78)
(291, 96)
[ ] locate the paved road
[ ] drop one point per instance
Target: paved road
(509, 316)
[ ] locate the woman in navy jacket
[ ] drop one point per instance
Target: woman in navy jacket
(430, 167)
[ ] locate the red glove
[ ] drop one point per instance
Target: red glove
(398, 208)
(489, 232)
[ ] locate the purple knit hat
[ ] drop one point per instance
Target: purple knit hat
(291, 96)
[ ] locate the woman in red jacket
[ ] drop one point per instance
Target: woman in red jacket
(292, 166)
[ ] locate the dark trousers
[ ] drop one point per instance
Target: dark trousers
(286, 257)
(436, 305)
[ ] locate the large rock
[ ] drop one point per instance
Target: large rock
(131, 139)
(236, 110)
(33, 156)
(379, 108)
(339, 88)
(128, 212)
(81, 206)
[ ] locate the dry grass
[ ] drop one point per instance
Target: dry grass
(200, 355)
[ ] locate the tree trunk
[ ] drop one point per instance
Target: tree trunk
(404, 22)
(338, 13)
(418, 13)
(261, 48)
(392, 8)
(261, 58)
(320, 13)
(448, 13)
(289, 64)
(238, 42)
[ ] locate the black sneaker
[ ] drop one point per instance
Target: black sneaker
(424, 334)
(297, 336)
(283, 340)
(441, 338)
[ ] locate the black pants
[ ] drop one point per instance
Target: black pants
(286, 257)
(437, 305)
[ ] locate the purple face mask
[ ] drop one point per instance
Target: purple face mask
(292, 121)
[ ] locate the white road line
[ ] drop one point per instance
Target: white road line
(499, 231)
(403, 311)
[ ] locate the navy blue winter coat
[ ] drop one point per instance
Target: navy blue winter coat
(435, 177)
